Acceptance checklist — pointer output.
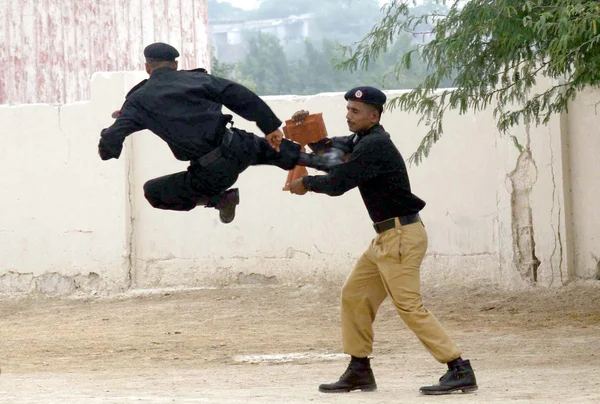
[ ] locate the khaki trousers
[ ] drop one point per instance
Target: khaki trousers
(391, 267)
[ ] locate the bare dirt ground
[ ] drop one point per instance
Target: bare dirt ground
(204, 346)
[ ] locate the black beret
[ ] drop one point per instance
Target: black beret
(368, 95)
(159, 52)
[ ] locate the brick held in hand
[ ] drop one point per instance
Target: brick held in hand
(311, 130)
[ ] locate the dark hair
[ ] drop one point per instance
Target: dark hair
(378, 108)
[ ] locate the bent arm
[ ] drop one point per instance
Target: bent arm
(245, 103)
(112, 138)
(364, 164)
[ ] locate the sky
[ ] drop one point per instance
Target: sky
(248, 4)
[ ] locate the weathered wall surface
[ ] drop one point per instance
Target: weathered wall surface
(50, 48)
(64, 217)
(584, 179)
(495, 213)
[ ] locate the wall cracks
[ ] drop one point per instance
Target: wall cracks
(556, 228)
(50, 283)
(597, 259)
(130, 214)
(522, 179)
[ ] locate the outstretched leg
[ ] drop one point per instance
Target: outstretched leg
(207, 184)
(251, 149)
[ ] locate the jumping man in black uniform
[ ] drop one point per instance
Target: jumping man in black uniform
(184, 109)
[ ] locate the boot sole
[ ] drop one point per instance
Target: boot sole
(468, 389)
(226, 220)
(362, 388)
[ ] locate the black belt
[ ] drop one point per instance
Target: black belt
(380, 227)
(214, 155)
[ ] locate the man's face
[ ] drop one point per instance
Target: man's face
(360, 116)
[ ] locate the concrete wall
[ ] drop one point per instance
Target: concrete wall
(584, 179)
(494, 214)
(63, 215)
(50, 48)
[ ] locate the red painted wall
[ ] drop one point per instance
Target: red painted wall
(50, 48)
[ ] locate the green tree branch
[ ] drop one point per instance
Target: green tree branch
(494, 51)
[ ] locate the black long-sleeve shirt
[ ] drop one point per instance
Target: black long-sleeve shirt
(377, 168)
(184, 109)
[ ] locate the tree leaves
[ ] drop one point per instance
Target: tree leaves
(493, 50)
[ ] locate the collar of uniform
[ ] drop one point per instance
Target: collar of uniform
(161, 70)
(367, 131)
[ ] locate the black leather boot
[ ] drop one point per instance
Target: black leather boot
(322, 161)
(358, 376)
(225, 203)
(460, 376)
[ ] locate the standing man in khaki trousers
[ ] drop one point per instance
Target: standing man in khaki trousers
(391, 264)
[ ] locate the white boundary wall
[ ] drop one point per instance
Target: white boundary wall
(71, 222)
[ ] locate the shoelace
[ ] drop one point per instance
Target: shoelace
(453, 373)
(449, 373)
(346, 373)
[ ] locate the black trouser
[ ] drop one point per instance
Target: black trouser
(183, 190)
